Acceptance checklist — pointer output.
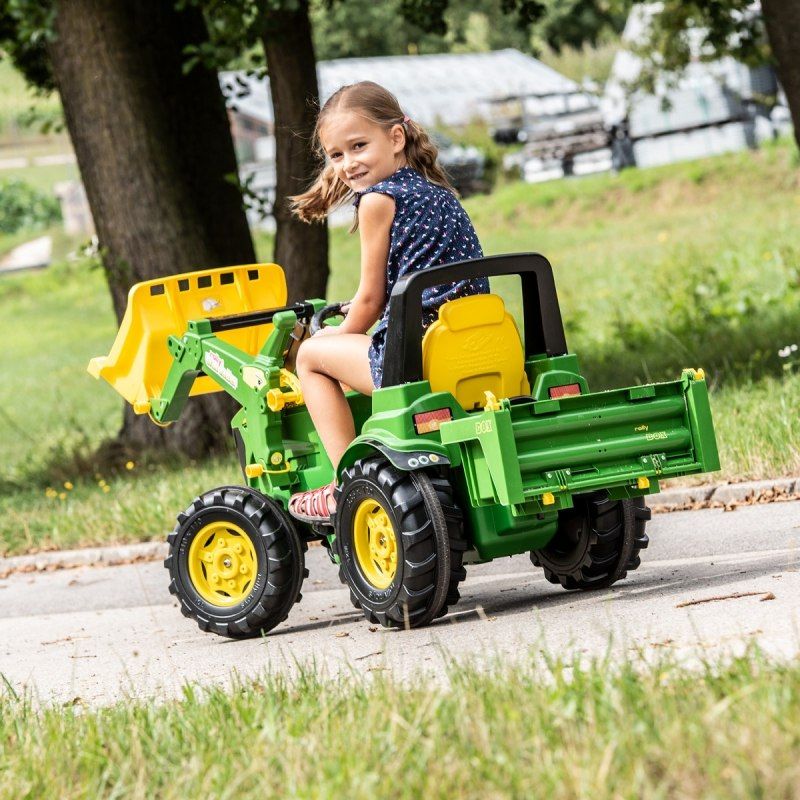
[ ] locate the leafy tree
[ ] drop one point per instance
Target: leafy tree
(715, 28)
(154, 149)
(274, 38)
(362, 28)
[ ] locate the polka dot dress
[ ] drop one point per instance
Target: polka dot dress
(430, 228)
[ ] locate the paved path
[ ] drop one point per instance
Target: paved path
(100, 633)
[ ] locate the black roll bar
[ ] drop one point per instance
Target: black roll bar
(544, 330)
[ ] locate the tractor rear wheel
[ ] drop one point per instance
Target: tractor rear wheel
(399, 537)
(597, 542)
(236, 562)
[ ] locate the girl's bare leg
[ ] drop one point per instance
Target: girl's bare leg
(322, 362)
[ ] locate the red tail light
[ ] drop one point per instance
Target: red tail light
(564, 391)
(431, 420)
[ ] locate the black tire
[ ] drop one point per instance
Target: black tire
(597, 542)
(279, 555)
(428, 531)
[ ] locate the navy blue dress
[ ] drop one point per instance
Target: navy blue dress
(430, 228)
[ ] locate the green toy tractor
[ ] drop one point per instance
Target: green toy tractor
(476, 446)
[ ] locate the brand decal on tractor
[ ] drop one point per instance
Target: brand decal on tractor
(483, 426)
(217, 366)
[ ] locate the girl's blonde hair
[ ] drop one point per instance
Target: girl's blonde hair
(379, 106)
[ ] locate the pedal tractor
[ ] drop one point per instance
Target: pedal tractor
(475, 448)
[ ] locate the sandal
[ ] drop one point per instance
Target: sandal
(313, 505)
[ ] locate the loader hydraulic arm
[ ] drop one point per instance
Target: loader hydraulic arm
(253, 381)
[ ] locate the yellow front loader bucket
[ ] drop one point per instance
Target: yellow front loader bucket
(139, 360)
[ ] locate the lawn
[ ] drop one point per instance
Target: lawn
(695, 264)
(641, 730)
(21, 105)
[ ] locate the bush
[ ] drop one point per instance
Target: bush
(23, 207)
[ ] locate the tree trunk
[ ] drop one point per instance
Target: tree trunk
(782, 19)
(153, 147)
(301, 249)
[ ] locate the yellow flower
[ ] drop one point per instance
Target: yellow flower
(62, 496)
(68, 485)
(106, 488)
(50, 492)
(101, 482)
(767, 256)
(129, 465)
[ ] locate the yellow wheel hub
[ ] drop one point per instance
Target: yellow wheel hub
(222, 564)
(375, 543)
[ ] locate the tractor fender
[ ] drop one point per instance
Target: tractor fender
(406, 460)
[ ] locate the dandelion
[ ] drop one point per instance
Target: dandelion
(62, 496)
(101, 483)
(68, 486)
(129, 465)
(50, 492)
(106, 488)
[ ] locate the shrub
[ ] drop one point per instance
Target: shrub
(23, 207)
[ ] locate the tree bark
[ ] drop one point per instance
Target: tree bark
(301, 249)
(153, 146)
(782, 20)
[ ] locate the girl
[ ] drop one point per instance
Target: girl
(408, 218)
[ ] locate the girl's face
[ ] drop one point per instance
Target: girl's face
(361, 152)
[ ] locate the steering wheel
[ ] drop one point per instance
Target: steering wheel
(325, 313)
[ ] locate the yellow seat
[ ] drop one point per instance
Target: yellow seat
(139, 360)
(474, 347)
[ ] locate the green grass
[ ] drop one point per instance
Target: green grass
(565, 730)
(16, 103)
(44, 178)
(694, 264)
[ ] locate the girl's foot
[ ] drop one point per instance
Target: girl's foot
(315, 505)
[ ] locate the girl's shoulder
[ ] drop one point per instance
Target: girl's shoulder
(406, 181)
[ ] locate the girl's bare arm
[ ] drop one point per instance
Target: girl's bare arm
(375, 215)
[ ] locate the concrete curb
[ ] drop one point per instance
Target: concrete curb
(690, 497)
(110, 556)
(724, 494)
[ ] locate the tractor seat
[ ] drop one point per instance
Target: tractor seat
(474, 347)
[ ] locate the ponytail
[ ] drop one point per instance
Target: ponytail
(326, 193)
(422, 154)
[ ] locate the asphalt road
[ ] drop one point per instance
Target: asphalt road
(102, 633)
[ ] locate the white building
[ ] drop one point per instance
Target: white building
(451, 88)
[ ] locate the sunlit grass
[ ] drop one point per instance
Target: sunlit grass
(563, 729)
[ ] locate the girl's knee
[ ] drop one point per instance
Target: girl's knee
(308, 356)
(302, 358)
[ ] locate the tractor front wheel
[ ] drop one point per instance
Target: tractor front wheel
(399, 537)
(597, 542)
(236, 562)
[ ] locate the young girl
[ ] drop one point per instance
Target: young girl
(408, 218)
